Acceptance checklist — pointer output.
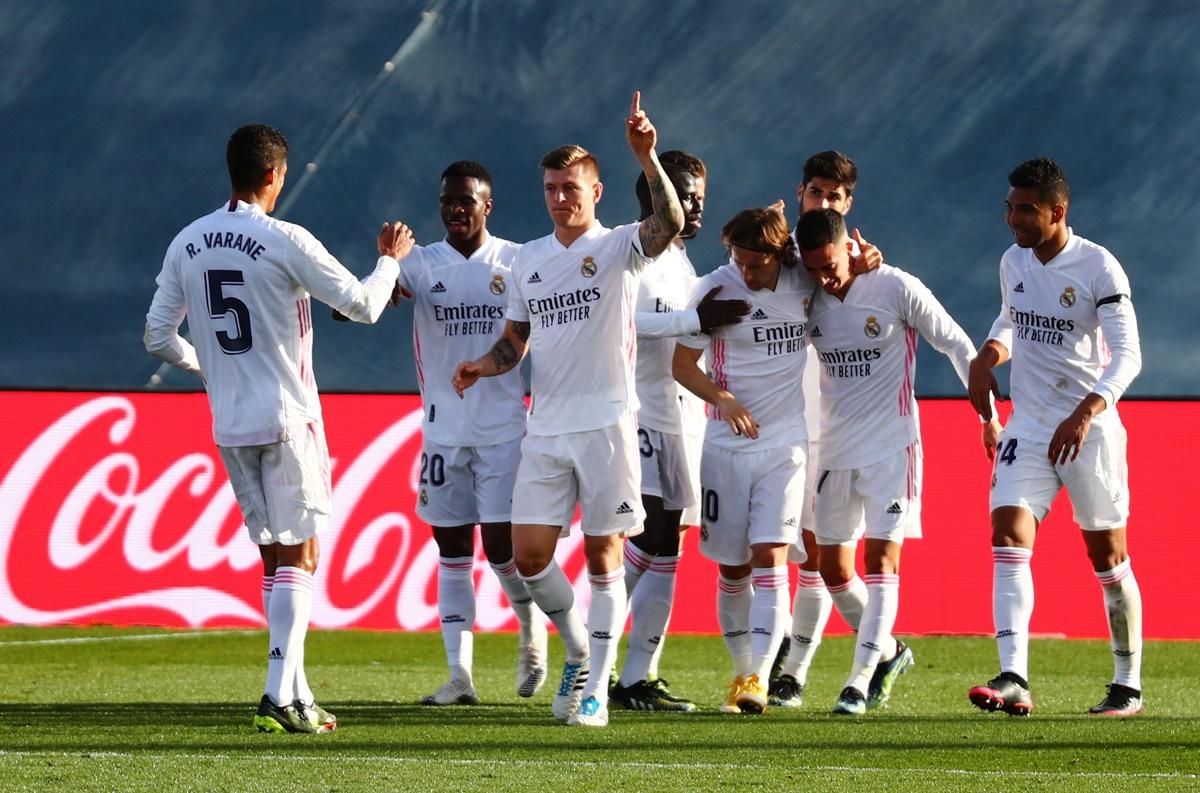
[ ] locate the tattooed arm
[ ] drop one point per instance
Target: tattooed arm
(656, 231)
(506, 353)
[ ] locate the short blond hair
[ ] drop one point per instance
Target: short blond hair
(565, 156)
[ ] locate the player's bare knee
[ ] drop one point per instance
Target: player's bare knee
(497, 542)
(812, 564)
(1013, 527)
(1106, 549)
(834, 572)
(603, 553)
(454, 541)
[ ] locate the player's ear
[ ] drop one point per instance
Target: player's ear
(849, 203)
(1058, 212)
(487, 207)
(597, 191)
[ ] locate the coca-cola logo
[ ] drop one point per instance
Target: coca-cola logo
(119, 510)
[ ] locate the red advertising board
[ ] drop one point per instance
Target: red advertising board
(114, 508)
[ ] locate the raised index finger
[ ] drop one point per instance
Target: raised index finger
(636, 107)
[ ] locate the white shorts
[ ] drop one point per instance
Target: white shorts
(665, 470)
(749, 498)
(599, 469)
(796, 552)
(693, 448)
(284, 489)
(465, 485)
(881, 501)
(1097, 481)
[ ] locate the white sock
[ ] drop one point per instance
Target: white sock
(456, 608)
(1012, 607)
(268, 581)
(651, 605)
(656, 656)
(810, 612)
(606, 617)
(850, 599)
(1123, 602)
(768, 618)
(637, 562)
(528, 621)
(733, 615)
(875, 630)
(291, 607)
(552, 593)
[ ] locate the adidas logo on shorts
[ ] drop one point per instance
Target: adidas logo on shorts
(790, 522)
(275, 655)
(624, 509)
(815, 332)
(758, 314)
(1020, 287)
(894, 509)
(534, 279)
(438, 288)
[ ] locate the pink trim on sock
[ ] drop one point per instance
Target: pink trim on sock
(1012, 555)
(811, 580)
(292, 578)
(607, 579)
(453, 563)
(506, 568)
(841, 587)
(882, 579)
(732, 587)
(267, 582)
(770, 580)
(664, 564)
(1115, 575)
(636, 558)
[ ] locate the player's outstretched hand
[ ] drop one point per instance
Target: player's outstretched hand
(991, 437)
(639, 132)
(395, 240)
(465, 375)
(717, 313)
(737, 417)
(868, 258)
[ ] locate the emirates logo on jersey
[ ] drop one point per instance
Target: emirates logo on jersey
(589, 267)
(1067, 298)
(872, 328)
(497, 285)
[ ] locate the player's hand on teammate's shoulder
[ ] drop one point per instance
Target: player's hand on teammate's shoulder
(716, 313)
(395, 240)
(639, 132)
(869, 257)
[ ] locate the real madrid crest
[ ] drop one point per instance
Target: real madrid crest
(424, 497)
(703, 532)
(1067, 298)
(589, 267)
(807, 302)
(497, 285)
(872, 328)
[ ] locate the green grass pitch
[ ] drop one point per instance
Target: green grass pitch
(142, 709)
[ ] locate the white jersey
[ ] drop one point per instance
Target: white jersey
(579, 303)
(760, 360)
(459, 306)
(243, 281)
(662, 317)
(1071, 331)
(867, 345)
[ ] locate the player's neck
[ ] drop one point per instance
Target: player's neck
(566, 235)
(1049, 249)
(467, 245)
(263, 199)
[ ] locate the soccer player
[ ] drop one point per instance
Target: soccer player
(752, 469)
(572, 302)
(863, 329)
(242, 280)
(667, 468)
(471, 447)
(828, 182)
(1067, 322)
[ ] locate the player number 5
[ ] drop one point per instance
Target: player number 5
(220, 304)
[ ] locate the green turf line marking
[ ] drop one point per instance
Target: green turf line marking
(633, 764)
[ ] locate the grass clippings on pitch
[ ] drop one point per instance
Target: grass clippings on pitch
(138, 709)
